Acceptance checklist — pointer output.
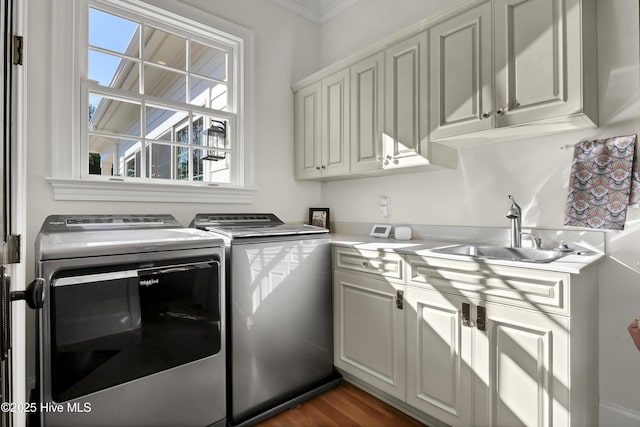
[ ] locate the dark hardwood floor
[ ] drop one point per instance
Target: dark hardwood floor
(343, 406)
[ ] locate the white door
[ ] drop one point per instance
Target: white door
(308, 109)
(405, 138)
(369, 331)
(461, 75)
(537, 59)
(521, 368)
(439, 355)
(335, 124)
(367, 113)
(12, 214)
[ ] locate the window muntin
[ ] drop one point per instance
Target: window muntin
(159, 90)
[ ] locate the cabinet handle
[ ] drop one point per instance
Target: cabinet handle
(318, 168)
(323, 167)
(481, 318)
(486, 115)
(400, 300)
(501, 111)
(466, 314)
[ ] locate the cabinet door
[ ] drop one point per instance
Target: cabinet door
(438, 356)
(537, 60)
(405, 139)
(369, 331)
(308, 153)
(367, 113)
(521, 368)
(335, 124)
(461, 75)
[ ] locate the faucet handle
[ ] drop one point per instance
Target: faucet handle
(514, 211)
(537, 241)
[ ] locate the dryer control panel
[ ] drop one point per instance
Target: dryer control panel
(62, 223)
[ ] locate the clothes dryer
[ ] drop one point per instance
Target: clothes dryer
(132, 331)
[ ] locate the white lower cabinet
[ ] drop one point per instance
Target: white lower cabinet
(369, 331)
(509, 369)
(469, 343)
(521, 369)
(438, 356)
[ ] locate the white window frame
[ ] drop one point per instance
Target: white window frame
(69, 43)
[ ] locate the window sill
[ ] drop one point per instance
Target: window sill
(127, 191)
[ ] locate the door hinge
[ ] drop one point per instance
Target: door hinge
(18, 50)
(10, 251)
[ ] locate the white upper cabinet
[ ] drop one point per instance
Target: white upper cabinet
(487, 70)
(537, 60)
(405, 141)
(461, 79)
(405, 138)
(335, 124)
(367, 113)
(308, 116)
(538, 70)
(322, 127)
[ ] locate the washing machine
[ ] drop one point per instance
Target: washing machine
(132, 332)
(280, 317)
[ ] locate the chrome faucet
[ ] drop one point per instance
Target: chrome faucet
(515, 215)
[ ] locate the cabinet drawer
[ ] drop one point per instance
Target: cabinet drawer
(526, 288)
(379, 263)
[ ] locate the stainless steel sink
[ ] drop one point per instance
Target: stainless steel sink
(503, 253)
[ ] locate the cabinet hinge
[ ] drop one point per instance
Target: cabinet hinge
(18, 50)
(400, 300)
(481, 318)
(10, 250)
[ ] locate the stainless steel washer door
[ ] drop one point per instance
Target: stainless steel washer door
(281, 321)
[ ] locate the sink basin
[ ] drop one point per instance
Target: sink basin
(502, 253)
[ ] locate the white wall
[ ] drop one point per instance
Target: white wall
(285, 51)
(535, 171)
(368, 21)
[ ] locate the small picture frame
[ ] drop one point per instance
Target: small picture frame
(319, 217)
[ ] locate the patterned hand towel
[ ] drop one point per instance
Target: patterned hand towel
(603, 183)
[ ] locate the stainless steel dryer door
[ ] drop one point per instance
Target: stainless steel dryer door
(114, 327)
(147, 331)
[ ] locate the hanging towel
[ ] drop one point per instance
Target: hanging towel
(603, 183)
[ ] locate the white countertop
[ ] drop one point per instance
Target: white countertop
(572, 263)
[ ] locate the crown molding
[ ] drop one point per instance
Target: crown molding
(318, 11)
(329, 9)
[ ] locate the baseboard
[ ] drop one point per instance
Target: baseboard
(612, 415)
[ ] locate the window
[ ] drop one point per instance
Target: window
(156, 88)
(167, 79)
